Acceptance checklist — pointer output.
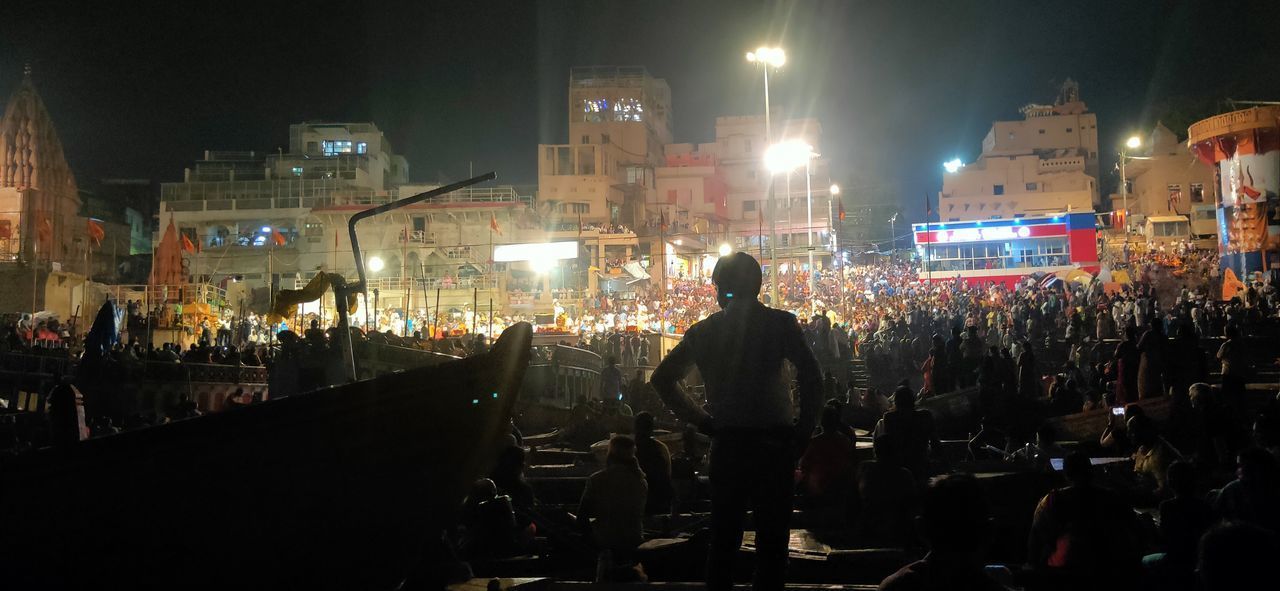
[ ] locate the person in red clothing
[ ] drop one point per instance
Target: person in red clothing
(827, 467)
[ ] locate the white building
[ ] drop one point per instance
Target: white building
(263, 222)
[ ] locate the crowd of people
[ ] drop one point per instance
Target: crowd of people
(1191, 497)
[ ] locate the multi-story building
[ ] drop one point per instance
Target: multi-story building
(601, 183)
(732, 168)
(261, 222)
(1164, 179)
(1045, 163)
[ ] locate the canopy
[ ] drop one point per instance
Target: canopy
(1070, 275)
(287, 300)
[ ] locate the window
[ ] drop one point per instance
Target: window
(748, 206)
(1068, 130)
(586, 160)
(628, 109)
(1197, 192)
(564, 161)
(362, 147)
(297, 171)
(604, 138)
(997, 189)
(1033, 186)
(746, 146)
(1128, 186)
(335, 147)
(593, 110)
(580, 208)
(586, 139)
(1041, 132)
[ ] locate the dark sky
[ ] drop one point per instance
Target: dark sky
(139, 89)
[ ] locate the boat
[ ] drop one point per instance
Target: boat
(339, 487)
(332, 489)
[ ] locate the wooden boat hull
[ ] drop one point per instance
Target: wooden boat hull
(334, 489)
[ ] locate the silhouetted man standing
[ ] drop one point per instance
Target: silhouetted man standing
(739, 352)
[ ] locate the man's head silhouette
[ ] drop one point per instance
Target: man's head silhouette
(736, 277)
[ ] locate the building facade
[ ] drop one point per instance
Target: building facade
(1165, 179)
(721, 191)
(1046, 162)
(256, 223)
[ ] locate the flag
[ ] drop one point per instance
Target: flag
(493, 223)
(95, 231)
(841, 214)
(277, 237)
(187, 245)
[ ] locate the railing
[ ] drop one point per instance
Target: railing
(418, 237)
(432, 283)
(308, 193)
(36, 364)
(1268, 116)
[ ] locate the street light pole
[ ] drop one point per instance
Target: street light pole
(1133, 142)
(767, 57)
(893, 233)
(808, 192)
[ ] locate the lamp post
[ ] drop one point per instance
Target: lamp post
(833, 193)
(893, 232)
(787, 156)
(1133, 143)
(769, 57)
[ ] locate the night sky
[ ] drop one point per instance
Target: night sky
(139, 91)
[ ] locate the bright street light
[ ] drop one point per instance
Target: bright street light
(835, 189)
(776, 57)
(786, 156)
(725, 250)
(773, 56)
(953, 165)
(376, 264)
(1132, 143)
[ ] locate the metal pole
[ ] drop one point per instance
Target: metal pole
(773, 201)
(808, 191)
(1124, 192)
(475, 312)
(436, 318)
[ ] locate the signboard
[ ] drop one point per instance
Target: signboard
(536, 251)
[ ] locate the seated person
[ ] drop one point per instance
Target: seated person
(886, 499)
(489, 523)
(615, 498)
(1183, 520)
(655, 461)
(826, 469)
(1152, 456)
(1084, 530)
(1237, 555)
(1254, 496)
(687, 464)
(956, 524)
(911, 431)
